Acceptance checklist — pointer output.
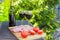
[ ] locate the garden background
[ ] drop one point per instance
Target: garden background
(43, 11)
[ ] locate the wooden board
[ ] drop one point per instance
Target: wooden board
(30, 37)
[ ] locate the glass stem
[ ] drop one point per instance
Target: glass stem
(21, 22)
(28, 21)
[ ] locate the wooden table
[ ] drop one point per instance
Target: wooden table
(5, 34)
(30, 37)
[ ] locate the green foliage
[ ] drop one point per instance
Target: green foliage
(4, 10)
(43, 12)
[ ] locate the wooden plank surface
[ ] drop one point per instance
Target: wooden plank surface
(30, 37)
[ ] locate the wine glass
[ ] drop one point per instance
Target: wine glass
(21, 16)
(28, 16)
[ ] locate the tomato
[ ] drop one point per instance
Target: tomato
(35, 29)
(40, 32)
(32, 32)
(24, 34)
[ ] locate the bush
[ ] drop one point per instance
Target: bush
(43, 12)
(4, 8)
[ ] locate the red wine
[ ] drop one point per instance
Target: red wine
(21, 15)
(28, 16)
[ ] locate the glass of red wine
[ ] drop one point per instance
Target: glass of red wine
(21, 15)
(28, 16)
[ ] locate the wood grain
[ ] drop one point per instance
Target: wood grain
(30, 37)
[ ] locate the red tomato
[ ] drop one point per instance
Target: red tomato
(40, 32)
(32, 32)
(24, 34)
(35, 29)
